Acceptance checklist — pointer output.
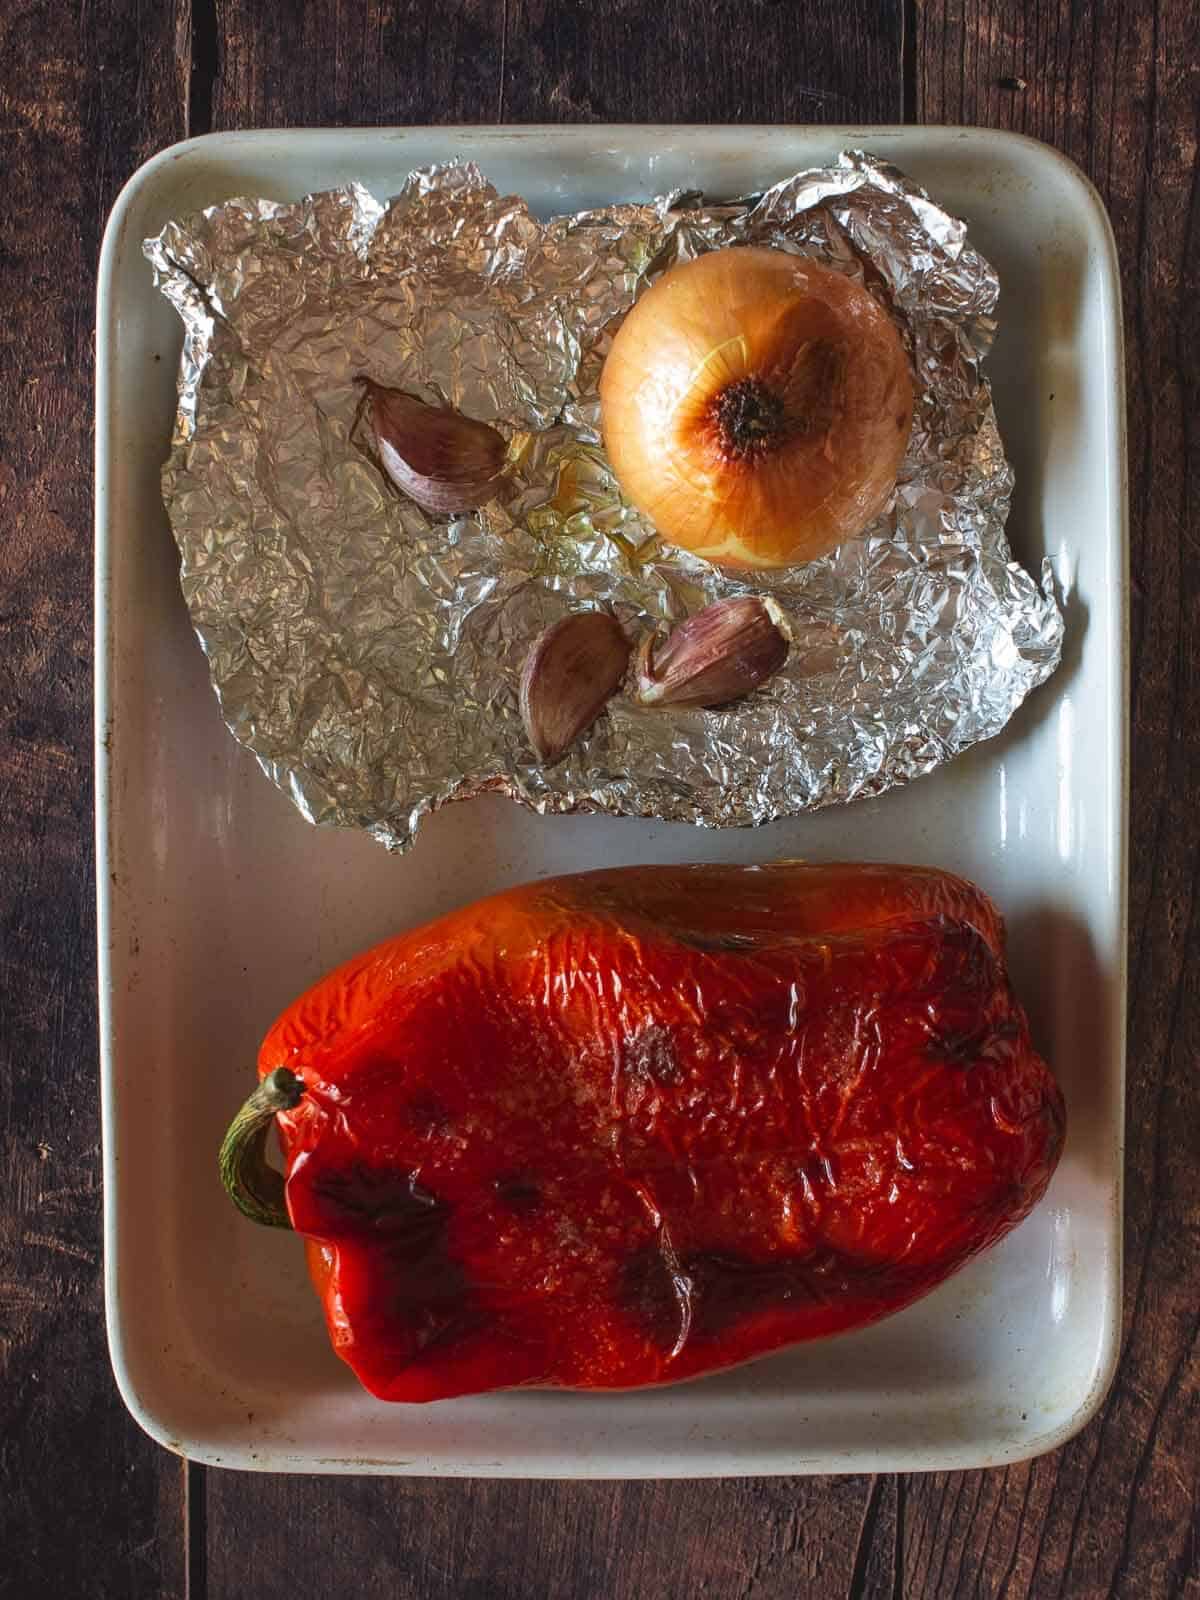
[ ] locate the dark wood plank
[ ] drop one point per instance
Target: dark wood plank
(88, 1505)
(527, 61)
(384, 61)
(716, 61)
(1116, 86)
(408, 62)
(769, 1539)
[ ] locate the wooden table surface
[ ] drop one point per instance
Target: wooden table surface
(89, 1507)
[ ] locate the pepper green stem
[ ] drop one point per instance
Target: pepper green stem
(255, 1188)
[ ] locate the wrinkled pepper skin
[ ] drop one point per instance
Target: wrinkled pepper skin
(633, 1126)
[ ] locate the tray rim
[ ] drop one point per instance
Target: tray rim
(112, 258)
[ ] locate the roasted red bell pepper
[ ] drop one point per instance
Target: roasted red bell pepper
(633, 1126)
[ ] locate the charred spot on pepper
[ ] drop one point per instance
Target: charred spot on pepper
(1055, 1121)
(657, 1294)
(436, 1333)
(517, 1191)
(421, 1296)
(705, 1293)
(375, 1066)
(816, 1175)
(425, 1113)
(423, 1287)
(969, 1046)
(717, 943)
(962, 958)
(422, 1305)
(378, 1200)
(728, 1287)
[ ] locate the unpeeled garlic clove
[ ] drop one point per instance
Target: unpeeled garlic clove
(571, 672)
(720, 654)
(439, 458)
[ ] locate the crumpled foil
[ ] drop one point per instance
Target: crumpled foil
(369, 654)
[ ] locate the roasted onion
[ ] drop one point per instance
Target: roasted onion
(756, 407)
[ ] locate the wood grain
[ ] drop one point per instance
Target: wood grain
(329, 64)
(743, 1539)
(1116, 86)
(675, 61)
(404, 61)
(88, 1505)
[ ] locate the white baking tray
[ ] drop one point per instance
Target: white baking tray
(217, 903)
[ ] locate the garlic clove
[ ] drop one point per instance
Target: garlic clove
(720, 654)
(439, 458)
(571, 672)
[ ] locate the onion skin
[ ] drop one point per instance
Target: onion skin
(756, 407)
